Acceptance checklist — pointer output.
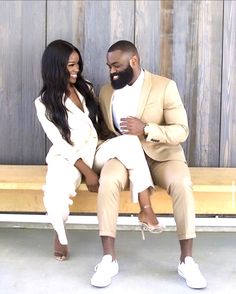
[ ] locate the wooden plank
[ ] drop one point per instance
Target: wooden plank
(206, 181)
(182, 52)
(205, 126)
(22, 26)
(106, 23)
(201, 88)
(21, 201)
(86, 202)
(186, 48)
(147, 33)
(20, 176)
(33, 178)
(228, 111)
(65, 20)
(213, 203)
(166, 38)
(28, 177)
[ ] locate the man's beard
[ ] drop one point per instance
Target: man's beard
(124, 78)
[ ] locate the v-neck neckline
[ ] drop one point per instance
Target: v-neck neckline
(81, 100)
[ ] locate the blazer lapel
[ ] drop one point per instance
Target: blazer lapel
(108, 106)
(144, 93)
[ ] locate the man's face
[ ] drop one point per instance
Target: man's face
(121, 72)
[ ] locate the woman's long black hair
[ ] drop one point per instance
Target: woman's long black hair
(55, 84)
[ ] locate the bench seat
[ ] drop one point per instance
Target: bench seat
(20, 191)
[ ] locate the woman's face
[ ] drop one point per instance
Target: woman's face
(73, 67)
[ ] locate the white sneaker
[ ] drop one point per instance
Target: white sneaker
(104, 271)
(190, 271)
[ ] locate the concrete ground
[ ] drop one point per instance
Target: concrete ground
(27, 265)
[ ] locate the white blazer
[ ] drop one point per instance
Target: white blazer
(83, 133)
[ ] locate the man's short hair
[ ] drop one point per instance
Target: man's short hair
(124, 46)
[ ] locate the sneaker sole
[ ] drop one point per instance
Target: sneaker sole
(97, 285)
(101, 285)
(189, 285)
(181, 274)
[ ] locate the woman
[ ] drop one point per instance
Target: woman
(70, 117)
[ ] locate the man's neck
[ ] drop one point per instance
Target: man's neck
(136, 75)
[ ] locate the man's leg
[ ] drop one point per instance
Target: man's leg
(186, 247)
(174, 176)
(108, 245)
(113, 179)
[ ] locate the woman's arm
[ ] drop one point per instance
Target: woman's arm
(91, 178)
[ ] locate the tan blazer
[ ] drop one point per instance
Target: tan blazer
(161, 107)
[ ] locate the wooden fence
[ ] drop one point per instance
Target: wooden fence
(192, 42)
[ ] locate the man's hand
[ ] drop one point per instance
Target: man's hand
(132, 125)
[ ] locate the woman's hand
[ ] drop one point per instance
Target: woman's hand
(91, 178)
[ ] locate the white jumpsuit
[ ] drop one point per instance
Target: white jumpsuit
(63, 178)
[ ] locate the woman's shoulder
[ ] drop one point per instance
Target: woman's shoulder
(38, 103)
(38, 100)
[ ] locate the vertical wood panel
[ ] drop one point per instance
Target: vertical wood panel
(166, 38)
(178, 39)
(22, 26)
(228, 112)
(181, 53)
(65, 20)
(182, 36)
(206, 150)
(203, 81)
(147, 34)
(106, 23)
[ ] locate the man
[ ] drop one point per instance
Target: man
(149, 106)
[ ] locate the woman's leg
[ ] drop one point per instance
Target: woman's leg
(61, 181)
(146, 214)
(128, 150)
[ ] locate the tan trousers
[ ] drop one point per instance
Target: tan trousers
(173, 176)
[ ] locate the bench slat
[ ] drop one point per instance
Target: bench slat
(33, 177)
(21, 191)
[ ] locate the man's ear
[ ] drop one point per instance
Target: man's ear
(133, 61)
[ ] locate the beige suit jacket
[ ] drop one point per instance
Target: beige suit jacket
(160, 106)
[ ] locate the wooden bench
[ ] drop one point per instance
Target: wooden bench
(20, 191)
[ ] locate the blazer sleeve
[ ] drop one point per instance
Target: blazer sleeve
(175, 129)
(69, 152)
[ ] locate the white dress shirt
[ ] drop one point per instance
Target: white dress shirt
(125, 101)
